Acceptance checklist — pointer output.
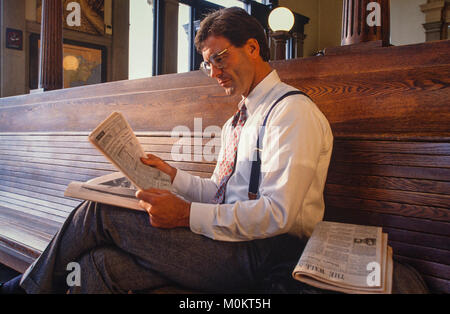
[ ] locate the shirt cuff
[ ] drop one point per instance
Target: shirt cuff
(201, 219)
(181, 182)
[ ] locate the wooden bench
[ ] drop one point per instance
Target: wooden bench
(389, 109)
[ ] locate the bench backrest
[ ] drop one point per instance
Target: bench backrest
(389, 109)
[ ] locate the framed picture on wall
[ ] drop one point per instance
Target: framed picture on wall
(14, 39)
(83, 64)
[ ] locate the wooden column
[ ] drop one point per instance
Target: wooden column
(437, 19)
(166, 48)
(365, 20)
(120, 39)
(51, 51)
(280, 38)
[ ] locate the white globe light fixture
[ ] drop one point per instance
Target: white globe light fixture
(281, 19)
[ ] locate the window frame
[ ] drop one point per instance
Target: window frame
(197, 8)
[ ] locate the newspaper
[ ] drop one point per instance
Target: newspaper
(348, 258)
(117, 141)
(113, 189)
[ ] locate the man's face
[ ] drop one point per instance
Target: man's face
(236, 71)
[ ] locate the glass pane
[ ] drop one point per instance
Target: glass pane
(141, 39)
(183, 37)
(82, 65)
(229, 3)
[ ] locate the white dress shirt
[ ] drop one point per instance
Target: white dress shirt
(295, 155)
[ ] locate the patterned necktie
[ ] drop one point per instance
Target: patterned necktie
(228, 161)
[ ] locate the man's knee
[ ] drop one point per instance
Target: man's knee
(99, 270)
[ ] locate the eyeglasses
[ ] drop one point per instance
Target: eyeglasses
(216, 60)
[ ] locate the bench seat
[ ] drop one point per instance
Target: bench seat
(388, 109)
(36, 169)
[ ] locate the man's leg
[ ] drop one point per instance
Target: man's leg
(178, 255)
(110, 270)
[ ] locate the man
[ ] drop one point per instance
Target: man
(218, 237)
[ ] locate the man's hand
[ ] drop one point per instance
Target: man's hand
(158, 163)
(165, 209)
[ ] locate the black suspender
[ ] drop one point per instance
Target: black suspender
(256, 164)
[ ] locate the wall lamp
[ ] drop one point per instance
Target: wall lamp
(281, 21)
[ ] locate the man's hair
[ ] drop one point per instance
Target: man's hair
(236, 25)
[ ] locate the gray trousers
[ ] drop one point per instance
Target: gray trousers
(117, 250)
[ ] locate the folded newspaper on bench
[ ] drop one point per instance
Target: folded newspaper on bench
(347, 258)
(115, 139)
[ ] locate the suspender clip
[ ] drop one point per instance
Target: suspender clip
(252, 196)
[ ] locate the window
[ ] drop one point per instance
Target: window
(184, 30)
(146, 55)
(190, 13)
(141, 39)
(83, 63)
(228, 3)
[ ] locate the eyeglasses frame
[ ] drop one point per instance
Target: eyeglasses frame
(205, 66)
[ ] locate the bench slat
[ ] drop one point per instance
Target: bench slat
(143, 137)
(31, 209)
(397, 147)
(437, 284)
(397, 59)
(20, 197)
(72, 163)
(389, 115)
(43, 177)
(56, 168)
(438, 174)
(83, 146)
(155, 83)
(427, 267)
(403, 197)
(194, 156)
(431, 161)
(418, 238)
(392, 183)
(18, 235)
(31, 182)
(375, 84)
(54, 156)
(37, 192)
(425, 253)
(365, 215)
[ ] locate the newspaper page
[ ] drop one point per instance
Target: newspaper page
(117, 141)
(339, 254)
(113, 189)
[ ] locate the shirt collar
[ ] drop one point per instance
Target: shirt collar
(262, 89)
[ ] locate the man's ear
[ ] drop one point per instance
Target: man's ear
(253, 47)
